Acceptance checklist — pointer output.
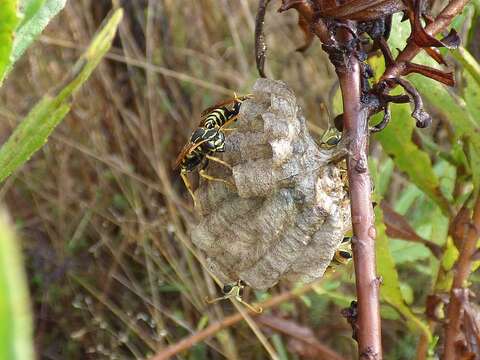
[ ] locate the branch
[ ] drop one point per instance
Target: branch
(302, 334)
(411, 50)
(462, 272)
(193, 339)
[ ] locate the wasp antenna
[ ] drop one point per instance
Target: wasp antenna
(213, 301)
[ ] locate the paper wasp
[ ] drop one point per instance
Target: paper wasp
(343, 254)
(330, 138)
(208, 139)
(234, 291)
(220, 115)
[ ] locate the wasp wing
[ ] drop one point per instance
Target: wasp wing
(225, 103)
(186, 150)
(213, 107)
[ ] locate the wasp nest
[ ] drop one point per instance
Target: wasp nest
(288, 210)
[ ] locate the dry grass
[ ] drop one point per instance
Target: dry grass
(112, 270)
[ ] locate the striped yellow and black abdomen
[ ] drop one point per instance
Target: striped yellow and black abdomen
(216, 118)
(193, 159)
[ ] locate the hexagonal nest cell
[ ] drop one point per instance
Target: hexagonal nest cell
(289, 209)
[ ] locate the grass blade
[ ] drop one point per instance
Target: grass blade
(9, 20)
(37, 17)
(16, 342)
(35, 128)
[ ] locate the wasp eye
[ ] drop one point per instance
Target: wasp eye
(227, 289)
(345, 254)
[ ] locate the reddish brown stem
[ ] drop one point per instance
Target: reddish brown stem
(462, 272)
(195, 338)
(301, 334)
(443, 20)
(355, 117)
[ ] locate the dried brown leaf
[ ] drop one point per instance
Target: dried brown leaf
(435, 55)
(363, 10)
(305, 26)
(471, 326)
(424, 39)
(303, 339)
(435, 74)
(398, 227)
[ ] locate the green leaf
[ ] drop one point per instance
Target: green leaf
(390, 289)
(396, 140)
(37, 16)
(16, 341)
(463, 113)
(384, 177)
(202, 324)
(470, 65)
(280, 347)
(445, 275)
(29, 8)
(9, 20)
(34, 130)
(471, 77)
(408, 252)
(474, 154)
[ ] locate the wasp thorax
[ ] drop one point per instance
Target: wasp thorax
(288, 211)
(227, 288)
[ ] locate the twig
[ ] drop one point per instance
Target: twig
(440, 23)
(190, 341)
(462, 272)
(300, 333)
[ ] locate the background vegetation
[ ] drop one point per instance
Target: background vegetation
(111, 270)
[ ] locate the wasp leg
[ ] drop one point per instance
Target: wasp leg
(256, 309)
(211, 178)
(189, 187)
(213, 158)
(228, 122)
(213, 301)
(233, 291)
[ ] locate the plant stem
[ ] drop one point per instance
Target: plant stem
(462, 272)
(443, 19)
(195, 338)
(355, 123)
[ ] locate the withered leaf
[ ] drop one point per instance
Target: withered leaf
(363, 10)
(311, 346)
(424, 39)
(471, 326)
(435, 74)
(305, 26)
(459, 225)
(419, 113)
(303, 6)
(435, 55)
(435, 306)
(398, 227)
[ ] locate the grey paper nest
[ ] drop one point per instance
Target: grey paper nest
(288, 211)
